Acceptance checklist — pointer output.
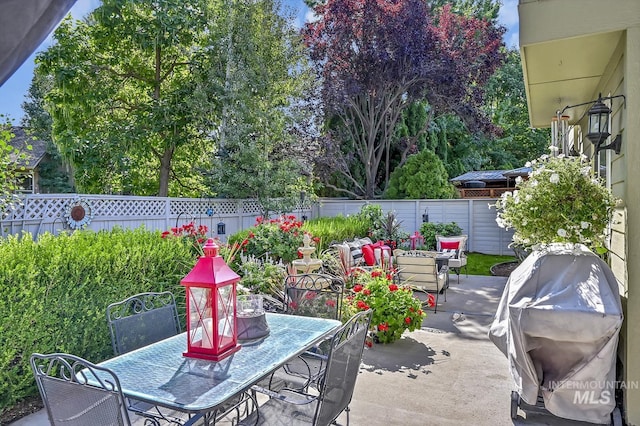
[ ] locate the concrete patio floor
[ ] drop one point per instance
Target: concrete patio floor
(447, 373)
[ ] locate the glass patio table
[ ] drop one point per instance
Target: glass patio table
(160, 375)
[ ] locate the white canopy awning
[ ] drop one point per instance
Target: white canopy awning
(24, 24)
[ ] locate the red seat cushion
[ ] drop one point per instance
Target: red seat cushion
(450, 245)
(367, 253)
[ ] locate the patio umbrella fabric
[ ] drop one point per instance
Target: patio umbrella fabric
(24, 24)
(558, 323)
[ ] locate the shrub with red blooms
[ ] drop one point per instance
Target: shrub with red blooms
(189, 232)
(277, 239)
(395, 309)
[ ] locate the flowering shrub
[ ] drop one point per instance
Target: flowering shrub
(560, 202)
(277, 239)
(189, 232)
(395, 309)
(261, 276)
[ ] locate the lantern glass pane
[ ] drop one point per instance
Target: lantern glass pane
(225, 311)
(200, 321)
(598, 123)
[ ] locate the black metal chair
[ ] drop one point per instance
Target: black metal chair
(335, 389)
(138, 321)
(70, 400)
(142, 319)
(313, 294)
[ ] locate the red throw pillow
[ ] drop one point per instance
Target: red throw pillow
(376, 244)
(450, 245)
(367, 253)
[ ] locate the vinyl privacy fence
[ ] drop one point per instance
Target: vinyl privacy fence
(54, 213)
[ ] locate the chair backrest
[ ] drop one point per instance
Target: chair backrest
(460, 239)
(314, 295)
(142, 319)
(418, 268)
(70, 400)
(343, 365)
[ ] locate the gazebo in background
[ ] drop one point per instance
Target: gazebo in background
(488, 183)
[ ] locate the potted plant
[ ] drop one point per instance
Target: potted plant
(395, 308)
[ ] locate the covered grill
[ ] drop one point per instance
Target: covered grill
(558, 323)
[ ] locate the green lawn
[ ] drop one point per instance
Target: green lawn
(479, 264)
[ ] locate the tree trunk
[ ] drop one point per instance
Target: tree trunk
(165, 170)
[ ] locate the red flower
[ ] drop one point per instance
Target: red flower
(259, 220)
(431, 301)
(383, 327)
(393, 287)
(411, 309)
(375, 274)
(165, 234)
(362, 305)
(407, 320)
(331, 303)
(420, 312)
(389, 277)
(369, 343)
(357, 288)
(293, 305)
(316, 240)
(251, 235)
(310, 295)
(366, 292)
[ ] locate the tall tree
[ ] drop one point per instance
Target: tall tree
(55, 175)
(125, 107)
(376, 58)
(507, 106)
(266, 78)
(11, 170)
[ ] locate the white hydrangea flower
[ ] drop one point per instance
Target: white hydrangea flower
(518, 180)
(554, 148)
(584, 225)
(562, 232)
(554, 178)
(527, 164)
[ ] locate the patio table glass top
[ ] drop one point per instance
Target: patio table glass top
(161, 375)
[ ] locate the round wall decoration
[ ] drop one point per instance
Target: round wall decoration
(78, 213)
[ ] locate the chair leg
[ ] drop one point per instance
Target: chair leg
(435, 308)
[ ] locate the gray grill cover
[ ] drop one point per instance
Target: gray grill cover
(557, 323)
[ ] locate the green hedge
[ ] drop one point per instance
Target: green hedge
(54, 294)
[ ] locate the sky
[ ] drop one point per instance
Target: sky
(14, 90)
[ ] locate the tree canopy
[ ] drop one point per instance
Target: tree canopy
(124, 104)
(375, 59)
(260, 154)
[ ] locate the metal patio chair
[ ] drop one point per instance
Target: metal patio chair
(138, 321)
(69, 400)
(335, 389)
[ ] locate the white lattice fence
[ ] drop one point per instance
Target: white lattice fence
(38, 213)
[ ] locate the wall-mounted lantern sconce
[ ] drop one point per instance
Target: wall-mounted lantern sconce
(598, 131)
(425, 215)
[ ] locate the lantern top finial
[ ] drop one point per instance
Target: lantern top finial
(210, 248)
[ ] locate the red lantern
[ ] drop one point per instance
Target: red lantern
(211, 307)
